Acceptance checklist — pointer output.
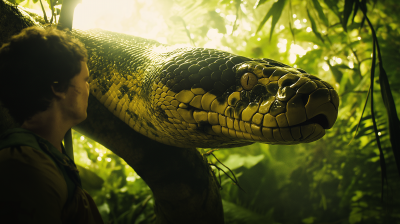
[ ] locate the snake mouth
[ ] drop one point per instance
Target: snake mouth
(320, 119)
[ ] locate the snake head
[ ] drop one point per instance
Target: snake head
(225, 100)
(277, 104)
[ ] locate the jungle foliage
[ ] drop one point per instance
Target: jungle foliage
(337, 179)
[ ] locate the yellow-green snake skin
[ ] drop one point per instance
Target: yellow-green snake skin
(205, 97)
(198, 97)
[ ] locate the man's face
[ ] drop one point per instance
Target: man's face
(77, 96)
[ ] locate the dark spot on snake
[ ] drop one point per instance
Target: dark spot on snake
(233, 101)
(241, 105)
(245, 96)
(132, 114)
(230, 112)
(223, 98)
(130, 95)
(95, 74)
(257, 91)
(104, 85)
(204, 126)
(149, 124)
(123, 90)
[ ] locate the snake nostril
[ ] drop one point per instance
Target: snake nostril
(288, 80)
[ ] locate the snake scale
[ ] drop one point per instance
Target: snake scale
(199, 97)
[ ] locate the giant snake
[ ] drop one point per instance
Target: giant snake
(188, 97)
(205, 97)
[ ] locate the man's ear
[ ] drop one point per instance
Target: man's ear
(58, 94)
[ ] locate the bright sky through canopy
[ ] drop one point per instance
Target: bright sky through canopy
(121, 16)
(148, 19)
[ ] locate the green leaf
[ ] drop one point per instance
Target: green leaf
(348, 8)
(90, 180)
(314, 26)
(332, 5)
(394, 122)
(276, 12)
(260, 2)
(363, 7)
(321, 13)
(356, 6)
(235, 161)
(336, 72)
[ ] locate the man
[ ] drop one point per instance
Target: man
(44, 85)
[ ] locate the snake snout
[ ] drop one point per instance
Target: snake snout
(311, 100)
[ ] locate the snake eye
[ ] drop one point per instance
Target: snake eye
(248, 80)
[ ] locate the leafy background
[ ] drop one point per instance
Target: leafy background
(336, 179)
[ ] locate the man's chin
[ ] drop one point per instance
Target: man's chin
(81, 119)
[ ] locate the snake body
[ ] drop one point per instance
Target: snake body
(199, 97)
(205, 97)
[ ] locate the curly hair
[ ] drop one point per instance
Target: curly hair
(31, 63)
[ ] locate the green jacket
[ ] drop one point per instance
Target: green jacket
(23, 137)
